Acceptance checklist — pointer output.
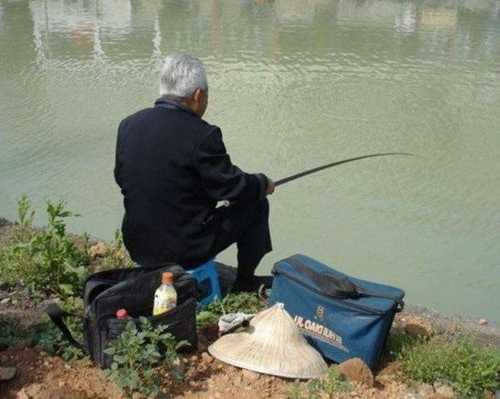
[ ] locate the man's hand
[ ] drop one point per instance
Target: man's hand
(270, 186)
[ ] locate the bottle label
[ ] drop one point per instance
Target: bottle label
(163, 303)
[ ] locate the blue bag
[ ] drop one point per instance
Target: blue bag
(341, 316)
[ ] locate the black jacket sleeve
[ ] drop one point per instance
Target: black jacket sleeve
(220, 178)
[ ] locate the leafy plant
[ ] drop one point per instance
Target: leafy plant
(117, 255)
(11, 333)
(326, 386)
(48, 262)
(469, 368)
(49, 338)
(241, 302)
(25, 216)
(400, 343)
(137, 355)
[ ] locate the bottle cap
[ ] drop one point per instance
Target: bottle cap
(121, 313)
(167, 278)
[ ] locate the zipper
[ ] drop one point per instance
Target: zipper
(345, 303)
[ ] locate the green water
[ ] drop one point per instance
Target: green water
(293, 84)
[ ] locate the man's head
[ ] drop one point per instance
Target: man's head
(183, 77)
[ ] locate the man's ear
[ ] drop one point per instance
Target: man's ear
(198, 95)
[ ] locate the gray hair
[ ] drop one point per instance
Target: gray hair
(181, 75)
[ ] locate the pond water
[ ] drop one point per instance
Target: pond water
(293, 84)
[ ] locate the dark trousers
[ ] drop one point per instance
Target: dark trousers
(247, 225)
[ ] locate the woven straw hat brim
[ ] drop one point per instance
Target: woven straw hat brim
(272, 344)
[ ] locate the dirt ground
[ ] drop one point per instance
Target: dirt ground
(42, 376)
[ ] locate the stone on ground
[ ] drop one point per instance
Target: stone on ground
(355, 370)
(445, 391)
(418, 328)
(7, 373)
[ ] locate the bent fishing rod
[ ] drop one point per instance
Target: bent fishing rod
(329, 165)
(288, 179)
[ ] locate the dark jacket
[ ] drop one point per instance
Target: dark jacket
(172, 168)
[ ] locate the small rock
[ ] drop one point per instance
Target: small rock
(483, 322)
(249, 375)
(356, 370)
(5, 301)
(7, 373)
(33, 390)
(22, 395)
(425, 390)
(206, 357)
(418, 329)
(445, 391)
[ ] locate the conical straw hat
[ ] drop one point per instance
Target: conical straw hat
(272, 344)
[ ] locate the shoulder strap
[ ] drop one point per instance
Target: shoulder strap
(56, 314)
(339, 286)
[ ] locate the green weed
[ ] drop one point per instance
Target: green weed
(137, 355)
(326, 386)
(241, 302)
(46, 261)
(12, 333)
(467, 367)
(49, 338)
(25, 216)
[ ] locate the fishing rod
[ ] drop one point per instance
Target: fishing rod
(226, 203)
(317, 169)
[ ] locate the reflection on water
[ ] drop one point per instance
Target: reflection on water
(294, 84)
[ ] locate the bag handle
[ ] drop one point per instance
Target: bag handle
(56, 314)
(340, 286)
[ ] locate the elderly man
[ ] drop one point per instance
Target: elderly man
(173, 169)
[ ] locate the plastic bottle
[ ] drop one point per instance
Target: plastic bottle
(165, 295)
(121, 314)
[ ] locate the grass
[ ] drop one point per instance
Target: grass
(241, 302)
(12, 334)
(324, 387)
(469, 368)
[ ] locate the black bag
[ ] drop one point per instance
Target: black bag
(131, 289)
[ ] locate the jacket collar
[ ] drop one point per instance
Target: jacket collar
(173, 103)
